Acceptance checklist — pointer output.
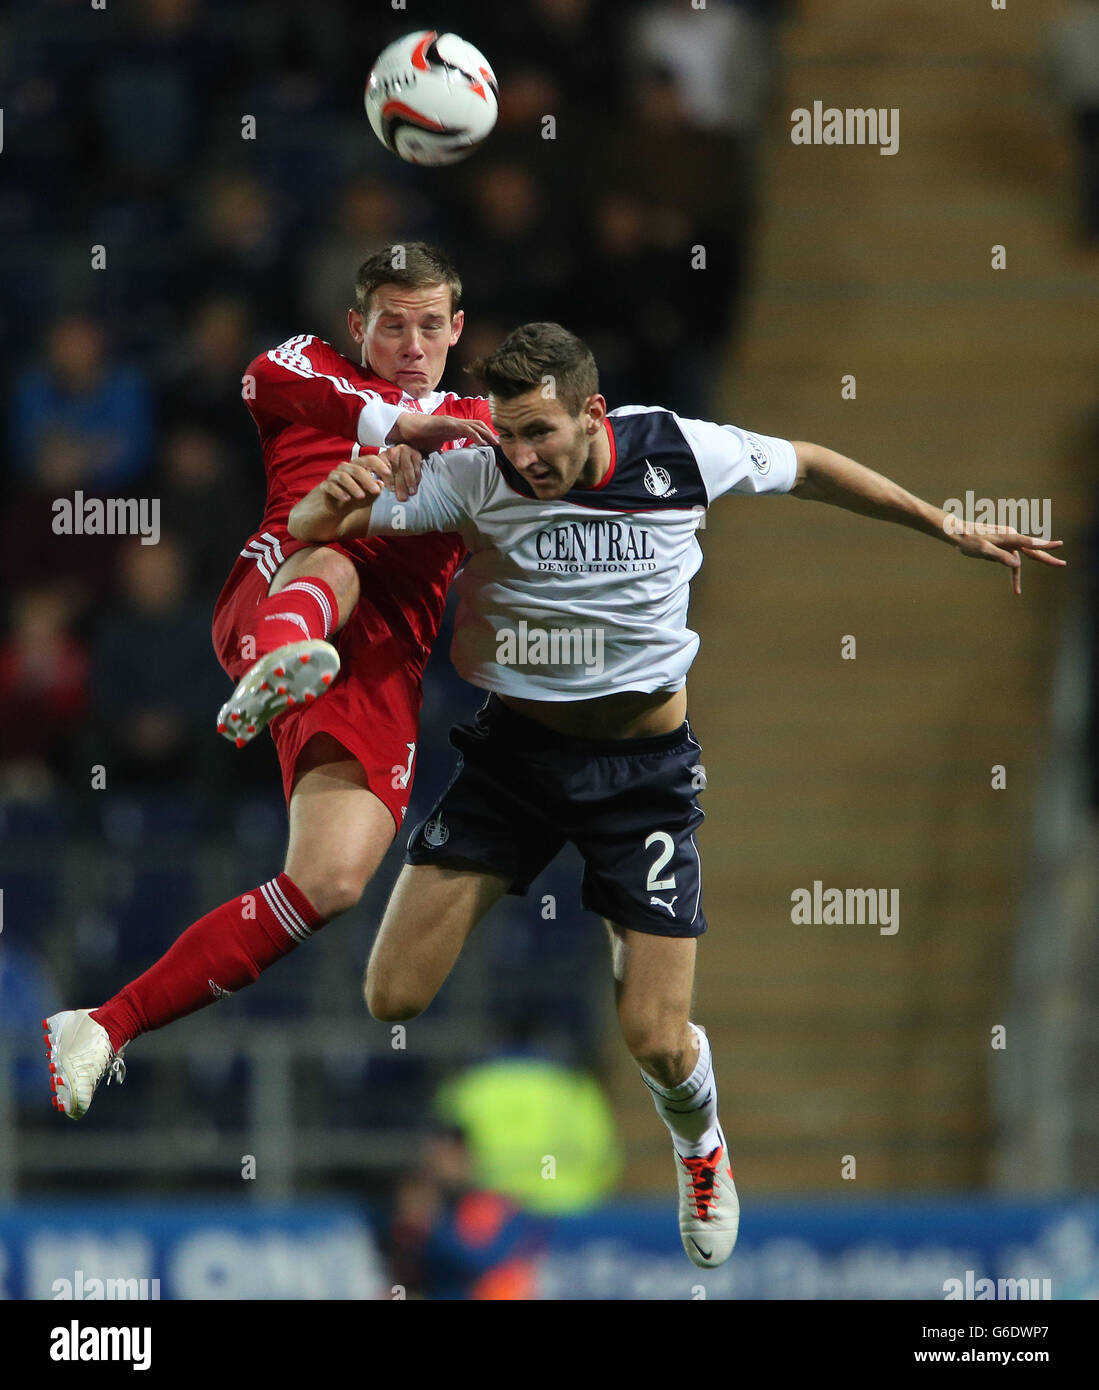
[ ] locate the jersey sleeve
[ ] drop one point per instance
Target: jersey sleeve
(735, 460)
(466, 408)
(452, 491)
(300, 382)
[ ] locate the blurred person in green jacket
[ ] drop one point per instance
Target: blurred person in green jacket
(538, 1132)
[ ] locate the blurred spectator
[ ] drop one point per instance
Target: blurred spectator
(1075, 62)
(369, 215)
(654, 311)
(43, 691)
(527, 96)
(203, 386)
(669, 163)
(481, 336)
(538, 1132)
(299, 146)
(208, 503)
(451, 1239)
(245, 252)
(166, 66)
(568, 45)
(31, 552)
(696, 228)
(606, 299)
(79, 389)
(154, 682)
(509, 255)
(718, 56)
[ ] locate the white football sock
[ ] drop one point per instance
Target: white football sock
(690, 1109)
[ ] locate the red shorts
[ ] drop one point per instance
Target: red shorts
(372, 707)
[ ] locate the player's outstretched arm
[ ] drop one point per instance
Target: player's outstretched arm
(825, 476)
(340, 506)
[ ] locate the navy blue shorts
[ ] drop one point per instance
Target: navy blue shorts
(630, 806)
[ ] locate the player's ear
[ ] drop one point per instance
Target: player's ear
(356, 325)
(595, 412)
(457, 323)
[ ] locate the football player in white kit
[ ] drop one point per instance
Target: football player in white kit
(573, 614)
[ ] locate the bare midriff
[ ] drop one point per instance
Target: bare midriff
(626, 714)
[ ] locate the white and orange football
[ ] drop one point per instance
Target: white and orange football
(431, 98)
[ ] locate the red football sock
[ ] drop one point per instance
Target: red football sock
(305, 608)
(219, 954)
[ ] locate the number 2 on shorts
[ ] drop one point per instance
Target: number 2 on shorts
(654, 884)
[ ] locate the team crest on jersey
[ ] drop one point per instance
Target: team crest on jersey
(436, 832)
(761, 461)
(658, 481)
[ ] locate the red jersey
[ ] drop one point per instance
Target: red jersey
(311, 405)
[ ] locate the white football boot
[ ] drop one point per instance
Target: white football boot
(296, 674)
(81, 1055)
(709, 1212)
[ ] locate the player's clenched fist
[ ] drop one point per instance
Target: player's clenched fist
(404, 467)
(340, 506)
(352, 482)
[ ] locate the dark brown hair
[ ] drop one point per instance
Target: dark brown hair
(537, 356)
(412, 265)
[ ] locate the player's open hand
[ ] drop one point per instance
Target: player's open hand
(430, 432)
(1001, 544)
(404, 466)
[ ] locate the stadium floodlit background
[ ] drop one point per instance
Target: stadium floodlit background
(901, 1107)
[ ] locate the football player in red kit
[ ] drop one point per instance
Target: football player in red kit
(347, 758)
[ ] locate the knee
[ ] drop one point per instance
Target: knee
(339, 573)
(662, 1048)
(335, 568)
(332, 894)
(389, 1005)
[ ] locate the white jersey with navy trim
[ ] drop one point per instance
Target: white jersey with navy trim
(585, 595)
